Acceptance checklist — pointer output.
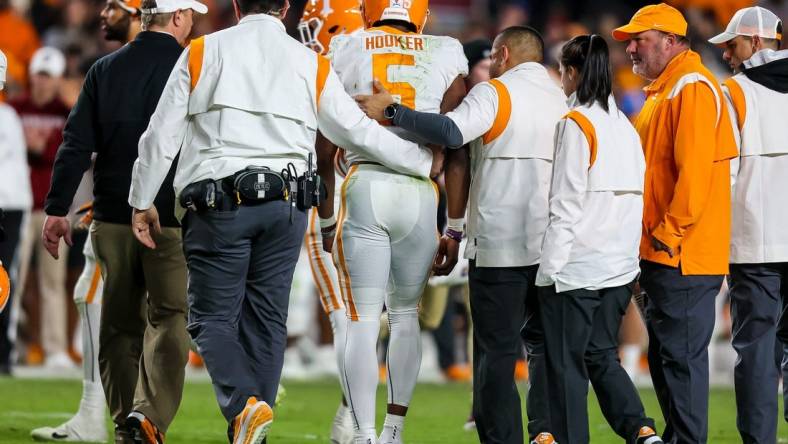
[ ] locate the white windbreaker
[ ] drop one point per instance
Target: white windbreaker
(252, 95)
(759, 176)
(596, 201)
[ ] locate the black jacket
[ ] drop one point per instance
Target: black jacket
(114, 107)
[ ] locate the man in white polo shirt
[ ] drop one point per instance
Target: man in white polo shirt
(759, 242)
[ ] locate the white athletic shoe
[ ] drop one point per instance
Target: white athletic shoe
(76, 429)
(342, 426)
(365, 440)
(390, 435)
(59, 361)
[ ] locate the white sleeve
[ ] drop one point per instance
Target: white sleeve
(461, 62)
(162, 140)
(567, 195)
(476, 114)
(736, 134)
(343, 123)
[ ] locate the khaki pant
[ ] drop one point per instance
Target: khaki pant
(143, 343)
(51, 285)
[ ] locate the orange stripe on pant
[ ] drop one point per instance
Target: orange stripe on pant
(328, 296)
(94, 282)
(344, 275)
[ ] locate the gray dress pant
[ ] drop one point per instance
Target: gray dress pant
(241, 265)
(581, 343)
(504, 305)
(758, 295)
(680, 322)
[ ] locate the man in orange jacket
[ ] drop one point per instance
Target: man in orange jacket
(688, 143)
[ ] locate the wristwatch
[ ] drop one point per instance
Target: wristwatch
(390, 111)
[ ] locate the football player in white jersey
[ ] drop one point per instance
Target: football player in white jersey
(322, 20)
(88, 424)
(386, 236)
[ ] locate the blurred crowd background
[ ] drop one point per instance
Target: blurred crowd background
(73, 27)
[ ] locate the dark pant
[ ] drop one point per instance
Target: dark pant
(758, 294)
(9, 255)
(581, 344)
(680, 321)
(504, 304)
(143, 343)
(241, 265)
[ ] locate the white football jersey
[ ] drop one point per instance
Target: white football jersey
(416, 69)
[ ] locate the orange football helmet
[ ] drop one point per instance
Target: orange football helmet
(411, 11)
(323, 19)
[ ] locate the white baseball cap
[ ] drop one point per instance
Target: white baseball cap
(48, 60)
(165, 6)
(749, 22)
(3, 69)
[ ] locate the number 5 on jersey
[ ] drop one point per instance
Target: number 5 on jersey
(403, 91)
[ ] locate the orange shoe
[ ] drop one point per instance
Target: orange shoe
(252, 424)
(458, 373)
(35, 355)
(520, 370)
(647, 435)
(544, 438)
(74, 355)
(195, 360)
(142, 430)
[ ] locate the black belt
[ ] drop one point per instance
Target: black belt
(251, 186)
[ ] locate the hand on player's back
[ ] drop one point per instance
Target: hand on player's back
(374, 105)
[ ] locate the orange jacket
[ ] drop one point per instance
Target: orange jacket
(688, 141)
(18, 38)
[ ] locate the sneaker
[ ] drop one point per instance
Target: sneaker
(391, 434)
(59, 361)
(470, 424)
(143, 431)
(123, 435)
(252, 424)
(647, 435)
(76, 429)
(342, 426)
(544, 438)
(521, 370)
(458, 373)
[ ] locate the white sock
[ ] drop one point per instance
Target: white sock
(392, 429)
(339, 323)
(365, 436)
(404, 355)
(90, 318)
(630, 358)
(361, 375)
(92, 404)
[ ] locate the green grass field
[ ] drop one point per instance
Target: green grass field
(436, 416)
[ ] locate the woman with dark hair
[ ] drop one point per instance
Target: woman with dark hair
(589, 259)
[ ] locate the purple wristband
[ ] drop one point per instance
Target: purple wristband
(453, 234)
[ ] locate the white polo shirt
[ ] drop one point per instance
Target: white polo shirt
(596, 201)
(510, 122)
